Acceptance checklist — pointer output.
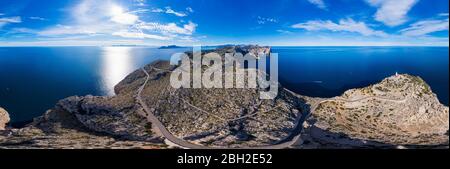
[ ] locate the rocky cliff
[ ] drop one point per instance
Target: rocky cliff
(399, 111)
(219, 117)
(87, 122)
(4, 118)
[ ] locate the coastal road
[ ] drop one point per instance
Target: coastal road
(366, 98)
(155, 121)
(285, 143)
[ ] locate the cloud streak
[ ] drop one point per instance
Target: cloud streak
(262, 20)
(37, 18)
(344, 25)
(284, 31)
(99, 18)
(138, 35)
(392, 12)
(168, 29)
(169, 10)
(319, 3)
(426, 27)
(8, 20)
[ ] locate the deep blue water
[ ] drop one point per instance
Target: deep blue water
(33, 79)
(329, 71)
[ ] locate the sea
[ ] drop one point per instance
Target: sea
(33, 79)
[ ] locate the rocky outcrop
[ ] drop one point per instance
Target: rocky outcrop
(4, 118)
(59, 129)
(400, 110)
(88, 122)
(220, 117)
(105, 115)
(255, 50)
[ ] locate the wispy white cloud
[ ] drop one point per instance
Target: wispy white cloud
(189, 9)
(22, 30)
(140, 2)
(15, 19)
(138, 35)
(37, 18)
(284, 31)
(107, 18)
(171, 28)
(8, 20)
(139, 11)
(392, 12)
(355, 41)
(95, 12)
(425, 27)
(169, 10)
(344, 25)
(72, 42)
(319, 3)
(168, 31)
(59, 30)
(263, 20)
(157, 10)
(443, 14)
(93, 17)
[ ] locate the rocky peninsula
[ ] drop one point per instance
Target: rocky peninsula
(146, 112)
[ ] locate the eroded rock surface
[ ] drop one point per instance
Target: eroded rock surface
(88, 122)
(4, 118)
(400, 110)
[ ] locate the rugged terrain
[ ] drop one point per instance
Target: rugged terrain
(401, 110)
(4, 118)
(222, 117)
(87, 122)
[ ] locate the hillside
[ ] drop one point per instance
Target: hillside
(400, 110)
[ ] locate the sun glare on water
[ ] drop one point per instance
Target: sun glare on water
(116, 65)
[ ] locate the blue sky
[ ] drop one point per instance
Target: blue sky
(212, 22)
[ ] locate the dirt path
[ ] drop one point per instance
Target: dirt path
(285, 143)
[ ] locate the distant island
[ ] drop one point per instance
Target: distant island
(170, 47)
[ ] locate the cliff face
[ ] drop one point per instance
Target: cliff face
(88, 122)
(400, 110)
(4, 118)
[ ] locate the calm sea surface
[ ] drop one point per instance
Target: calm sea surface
(33, 79)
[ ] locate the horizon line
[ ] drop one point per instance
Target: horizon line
(187, 46)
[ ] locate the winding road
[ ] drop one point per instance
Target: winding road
(285, 143)
(365, 98)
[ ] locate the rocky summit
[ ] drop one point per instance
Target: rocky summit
(400, 110)
(147, 112)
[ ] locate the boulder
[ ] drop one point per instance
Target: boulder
(4, 118)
